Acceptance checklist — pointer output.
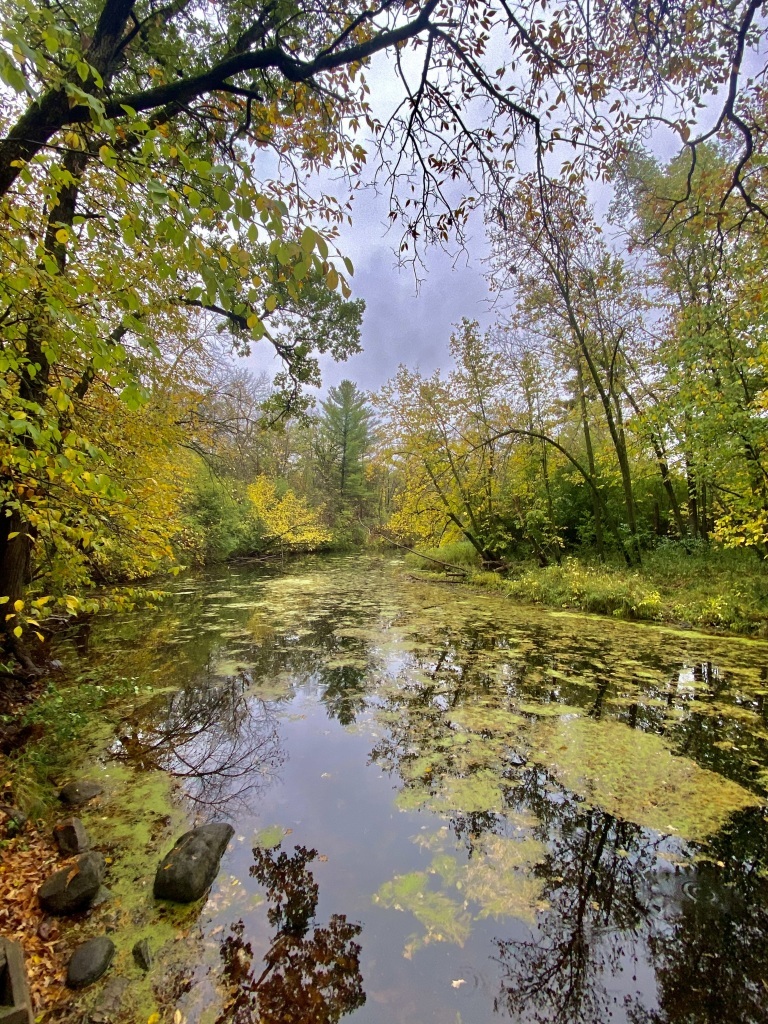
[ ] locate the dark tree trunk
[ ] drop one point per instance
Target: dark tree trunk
(14, 557)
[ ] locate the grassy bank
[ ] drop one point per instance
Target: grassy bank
(43, 739)
(705, 587)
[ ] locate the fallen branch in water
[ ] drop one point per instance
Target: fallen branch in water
(429, 558)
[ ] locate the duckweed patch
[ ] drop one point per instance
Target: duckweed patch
(269, 837)
(135, 826)
(634, 776)
(497, 883)
(501, 880)
(443, 918)
(483, 791)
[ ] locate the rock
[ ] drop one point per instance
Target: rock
(89, 961)
(71, 837)
(109, 1003)
(102, 896)
(15, 822)
(45, 928)
(190, 867)
(81, 792)
(142, 954)
(73, 888)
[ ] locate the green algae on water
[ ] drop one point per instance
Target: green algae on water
(500, 878)
(444, 919)
(634, 776)
(269, 837)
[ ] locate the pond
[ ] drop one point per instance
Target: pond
(447, 808)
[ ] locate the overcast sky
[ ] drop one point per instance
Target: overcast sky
(404, 323)
(401, 324)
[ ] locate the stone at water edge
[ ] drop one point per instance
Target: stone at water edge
(80, 792)
(188, 870)
(102, 896)
(90, 961)
(71, 837)
(109, 1004)
(15, 822)
(142, 954)
(73, 888)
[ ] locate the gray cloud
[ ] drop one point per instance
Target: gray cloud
(405, 321)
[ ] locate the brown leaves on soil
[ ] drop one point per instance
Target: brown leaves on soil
(25, 863)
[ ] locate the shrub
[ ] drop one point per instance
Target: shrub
(458, 553)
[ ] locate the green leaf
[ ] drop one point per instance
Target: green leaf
(308, 240)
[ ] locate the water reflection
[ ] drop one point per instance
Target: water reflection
(576, 802)
(220, 740)
(310, 974)
(630, 924)
(590, 933)
(710, 955)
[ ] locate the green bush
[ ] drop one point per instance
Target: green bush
(458, 553)
(575, 584)
(221, 522)
(697, 585)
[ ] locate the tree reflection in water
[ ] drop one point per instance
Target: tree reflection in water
(698, 932)
(215, 736)
(710, 948)
(310, 973)
(632, 925)
(597, 909)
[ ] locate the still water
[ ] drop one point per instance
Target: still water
(449, 809)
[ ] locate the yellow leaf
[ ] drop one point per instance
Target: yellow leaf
(271, 303)
(332, 279)
(18, 606)
(62, 235)
(17, 631)
(153, 1018)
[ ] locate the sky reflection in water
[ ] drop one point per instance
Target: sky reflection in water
(449, 809)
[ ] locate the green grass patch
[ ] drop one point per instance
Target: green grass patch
(459, 554)
(706, 587)
(67, 717)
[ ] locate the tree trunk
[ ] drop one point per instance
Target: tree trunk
(14, 558)
(596, 511)
(15, 544)
(693, 497)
